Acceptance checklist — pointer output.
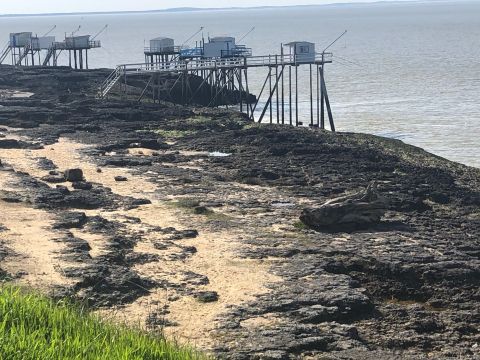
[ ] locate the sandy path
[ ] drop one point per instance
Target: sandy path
(235, 280)
(29, 236)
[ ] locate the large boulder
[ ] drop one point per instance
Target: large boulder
(74, 175)
(356, 211)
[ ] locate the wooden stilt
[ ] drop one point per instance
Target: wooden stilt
(311, 96)
(75, 58)
(296, 95)
(270, 88)
(290, 93)
(327, 103)
(318, 96)
(240, 86)
(276, 92)
(283, 95)
(322, 100)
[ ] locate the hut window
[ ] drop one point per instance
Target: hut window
(304, 49)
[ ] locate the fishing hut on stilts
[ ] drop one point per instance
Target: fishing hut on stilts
(221, 71)
(161, 50)
(24, 49)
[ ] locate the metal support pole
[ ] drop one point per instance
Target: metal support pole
(277, 95)
(249, 105)
(270, 88)
(322, 99)
(327, 103)
(240, 87)
(311, 96)
(318, 96)
(296, 95)
(290, 92)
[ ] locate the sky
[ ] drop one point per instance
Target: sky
(61, 6)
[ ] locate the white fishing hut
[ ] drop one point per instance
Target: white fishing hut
(24, 48)
(20, 40)
(78, 46)
(301, 51)
(219, 46)
(162, 49)
(77, 42)
(162, 45)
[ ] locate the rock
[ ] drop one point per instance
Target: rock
(76, 249)
(54, 178)
(125, 161)
(202, 210)
(349, 212)
(10, 144)
(63, 189)
(74, 175)
(82, 185)
(11, 197)
(120, 178)
(46, 164)
(183, 234)
(439, 198)
(99, 170)
(158, 321)
(70, 220)
(17, 144)
(206, 296)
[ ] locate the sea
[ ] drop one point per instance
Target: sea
(404, 70)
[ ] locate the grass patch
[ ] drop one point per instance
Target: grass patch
(173, 134)
(185, 203)
(300, 226)
(33, 327)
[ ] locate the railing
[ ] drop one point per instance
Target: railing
(210, 64)
(94, 44)
(72, 46)
(191, 53)
(238, 51)
(111, 80)
(202, 64)
(163, 50)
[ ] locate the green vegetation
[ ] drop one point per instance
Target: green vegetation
(185, 203)
(173, 134)
(33, 327)
(300, 225)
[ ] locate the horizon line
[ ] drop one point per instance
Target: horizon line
(194, 9)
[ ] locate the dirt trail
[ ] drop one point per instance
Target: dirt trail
(29, 237)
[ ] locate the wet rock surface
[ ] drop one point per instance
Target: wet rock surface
(404, 287)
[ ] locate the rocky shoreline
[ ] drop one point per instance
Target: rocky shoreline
(186, 220)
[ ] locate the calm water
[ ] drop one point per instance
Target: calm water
(408, 71)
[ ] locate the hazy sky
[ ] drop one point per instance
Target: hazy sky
(50, 6)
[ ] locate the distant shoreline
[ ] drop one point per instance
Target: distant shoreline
(195, 9)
